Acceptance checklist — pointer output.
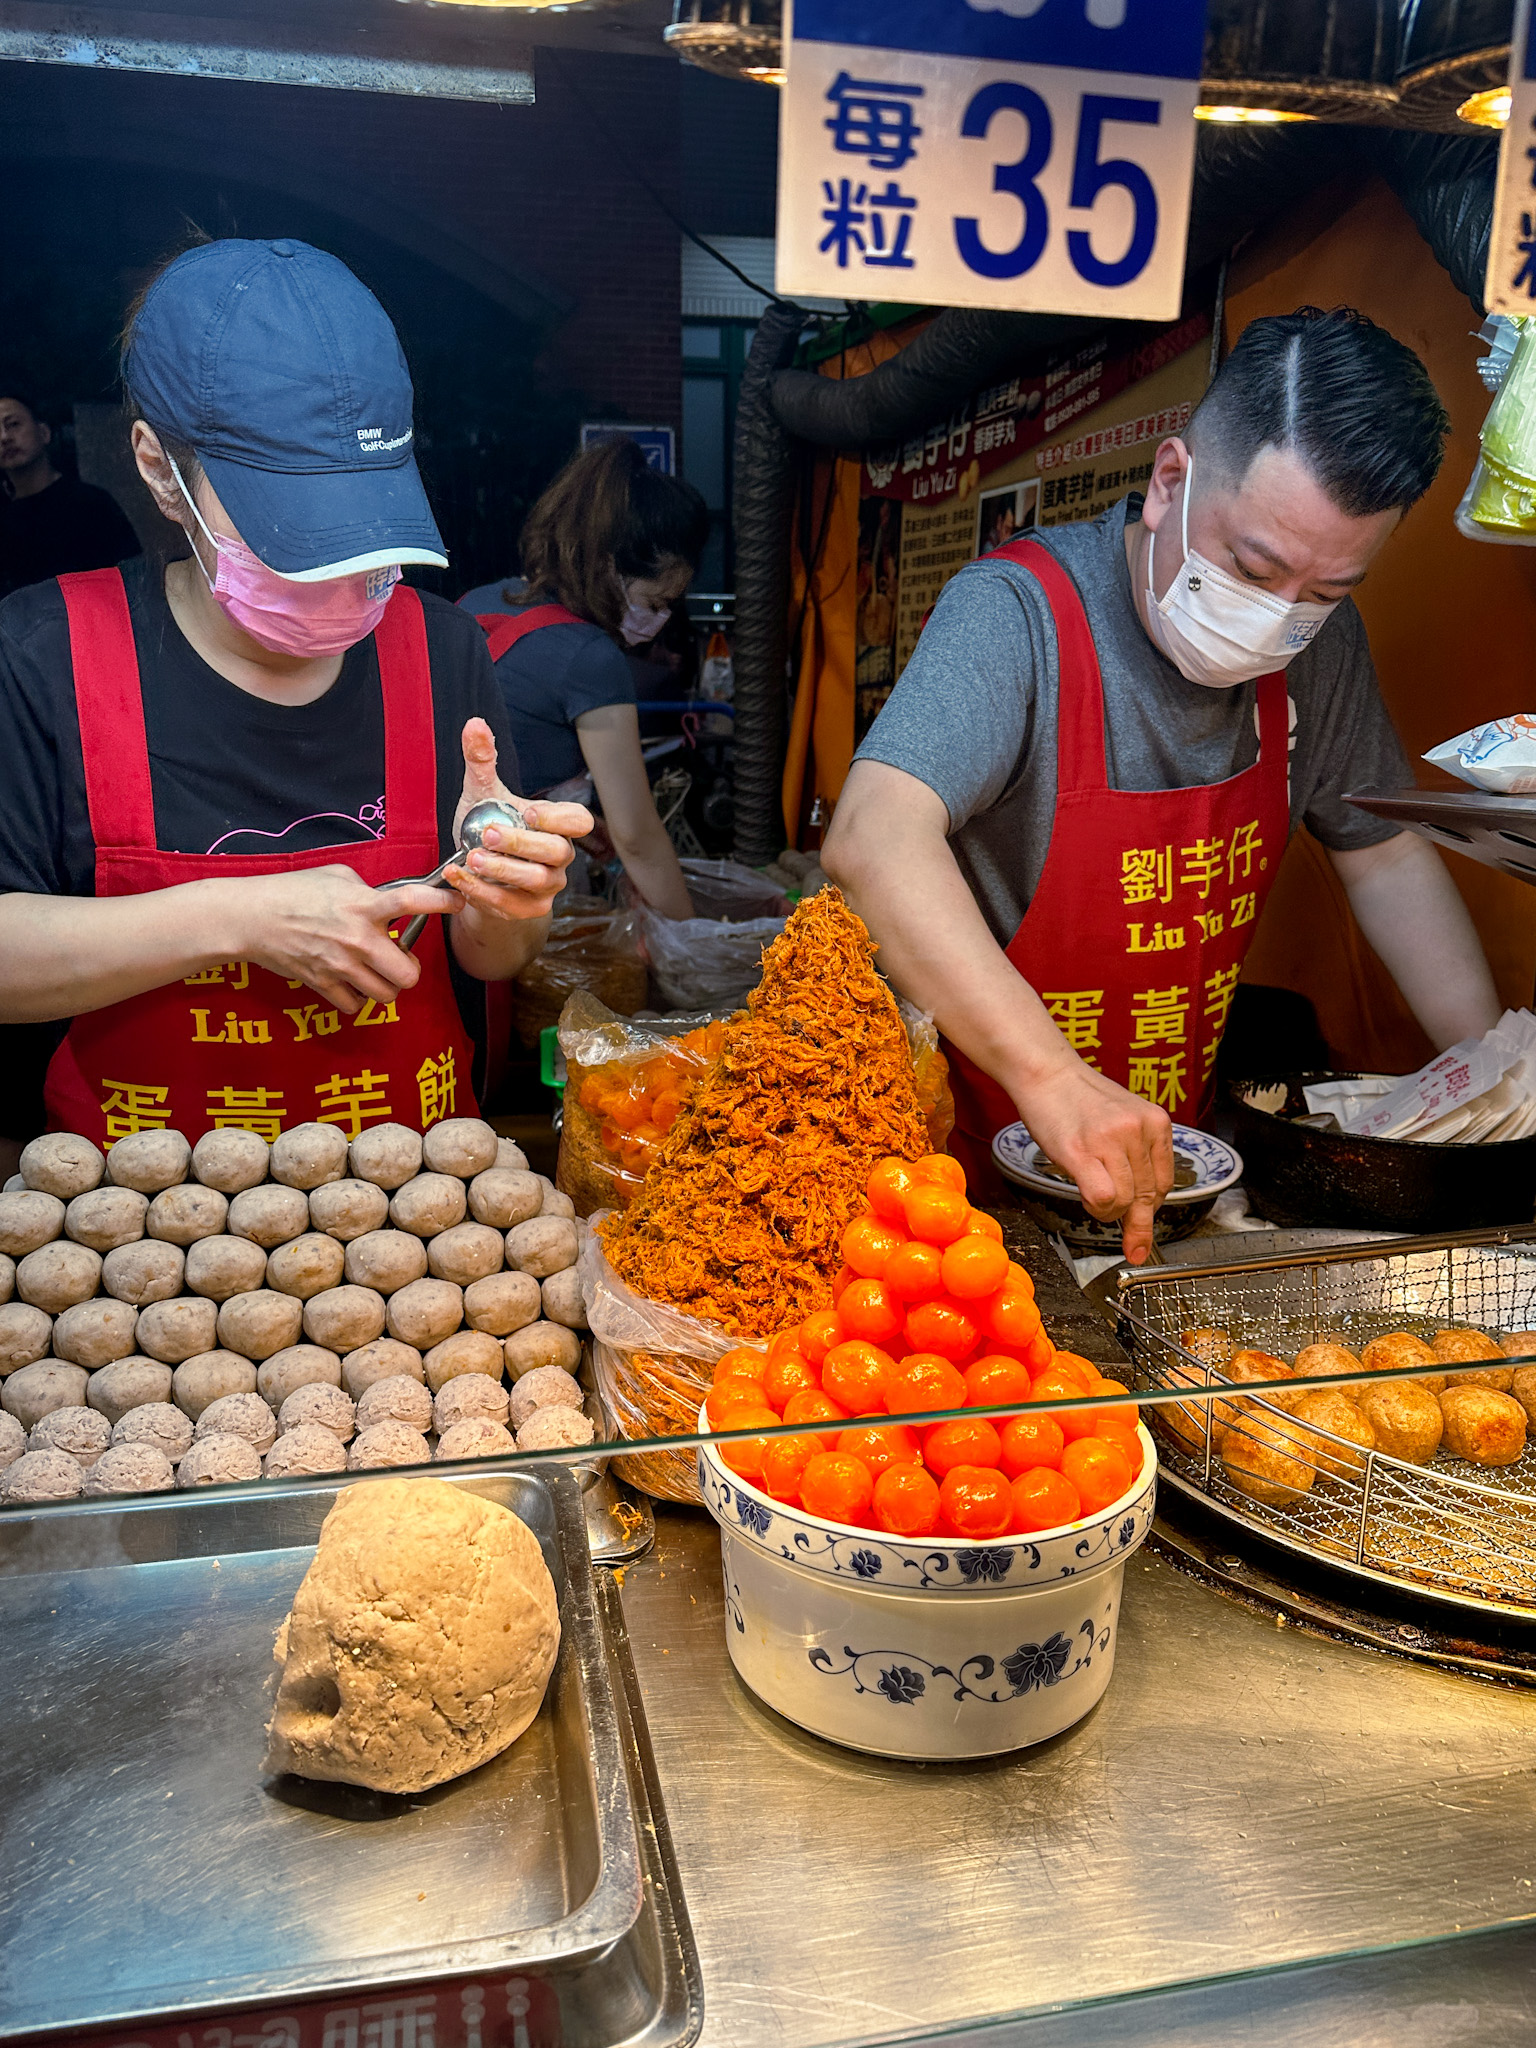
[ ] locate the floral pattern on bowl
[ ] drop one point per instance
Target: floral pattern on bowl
(1029, 1668)
(932, 1564)
(1217, 1166)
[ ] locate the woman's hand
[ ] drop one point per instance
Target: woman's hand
(327, 928)
(513, 875)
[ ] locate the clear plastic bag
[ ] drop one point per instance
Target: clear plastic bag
(935, 1098)
(626, 1082)
(700, 965)
(654, 1367)
(590, 946)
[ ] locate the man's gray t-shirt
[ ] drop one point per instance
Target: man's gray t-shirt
(974, 716)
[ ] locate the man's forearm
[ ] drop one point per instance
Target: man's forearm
(1411, 911)
(67, 955)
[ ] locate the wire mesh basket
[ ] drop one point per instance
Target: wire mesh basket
(1454, 1531)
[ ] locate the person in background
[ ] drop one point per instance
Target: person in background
(50, 524)
(608, 550)
(228, 770)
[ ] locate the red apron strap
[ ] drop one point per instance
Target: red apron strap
(110, 709)
(1274, 707)
(504, 629)
(1080, 760)
(410, 745)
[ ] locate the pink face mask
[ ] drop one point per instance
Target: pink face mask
(307, 620)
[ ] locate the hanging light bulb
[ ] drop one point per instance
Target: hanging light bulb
(1486, 109)
(1259, 116)
(734, 38)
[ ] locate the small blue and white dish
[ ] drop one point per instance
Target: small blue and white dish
(1205, 1166)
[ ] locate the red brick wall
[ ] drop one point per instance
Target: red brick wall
(526, 202)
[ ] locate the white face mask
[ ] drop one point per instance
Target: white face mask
(1218, 630)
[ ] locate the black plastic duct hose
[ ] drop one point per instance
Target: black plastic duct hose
(763, 503)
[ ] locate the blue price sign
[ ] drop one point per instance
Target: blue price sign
(1511, 280)
(1031, 154)
(659, 444)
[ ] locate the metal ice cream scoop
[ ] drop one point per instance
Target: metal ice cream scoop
(477, 820)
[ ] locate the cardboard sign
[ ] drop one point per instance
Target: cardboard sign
(1035, 155)
(1511, 281)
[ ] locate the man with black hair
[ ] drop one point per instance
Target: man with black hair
(1062, 828)
(50, 524)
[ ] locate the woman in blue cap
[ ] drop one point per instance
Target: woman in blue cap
(219, 767)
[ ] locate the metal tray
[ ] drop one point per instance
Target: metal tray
(1448, 1532)
(1499, 831)
(148, 1867)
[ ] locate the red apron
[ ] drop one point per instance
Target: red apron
(237, 1045)
(504, 629)
(1148, 901)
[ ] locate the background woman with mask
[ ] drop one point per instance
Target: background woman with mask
(608, 550)
(217, 766)
(1063, 825)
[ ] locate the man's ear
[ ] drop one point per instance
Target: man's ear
(46, 431)
(1168, 467)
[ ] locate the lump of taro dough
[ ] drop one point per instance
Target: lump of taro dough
(309, 1155)
(36, 1390)
(217, 1461)
(511, 1156)
(244, 1415)
(13, 1438)
(107, 1218)
(541, 1344)
(219, 1268)
(387, 1443)
(94, 1333)
(230, 1161)
(149, 1161)
(388, 1155)
(301, 1365)
(55, 1277)
(475, 1438)
(28, 1221)
(429, 1203)
(563, 1301)
(42, 1475)
(63, 1164)
(324, 1405)
(7, 1277)
(466, 1253)
(261, 1323)
(386, 1358)
(470, 1396)
(557, 1204)
(144, 1272)
(129, 1468)
(426, 1312)
(477, 1620)
(397, 1399)
(344, 1319)
(129, 1383)
(347, 1209)
(80, 1433)
(269, 1216)
(182, 1215)
(306, 1450)
(310, 1265)
(503, 1303)
(386, 1260)
(465, 1351)
(174, 1331)
(545, 1387)
(463, 1145)
(502, 1198)
(555, 1429)
(25, 1335)
(199, 1382)
(156, 1423)
(545, 1245)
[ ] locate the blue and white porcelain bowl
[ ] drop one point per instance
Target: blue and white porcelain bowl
(1057, 1207)
(930, 1650)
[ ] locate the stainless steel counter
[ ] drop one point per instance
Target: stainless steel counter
(1246, 1798)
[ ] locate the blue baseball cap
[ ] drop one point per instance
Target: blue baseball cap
(285, 374)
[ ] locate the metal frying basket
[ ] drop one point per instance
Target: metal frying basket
(1451, 1531)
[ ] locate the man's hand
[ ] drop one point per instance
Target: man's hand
(1118, 1148)
(327, 928)
(514, 875)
